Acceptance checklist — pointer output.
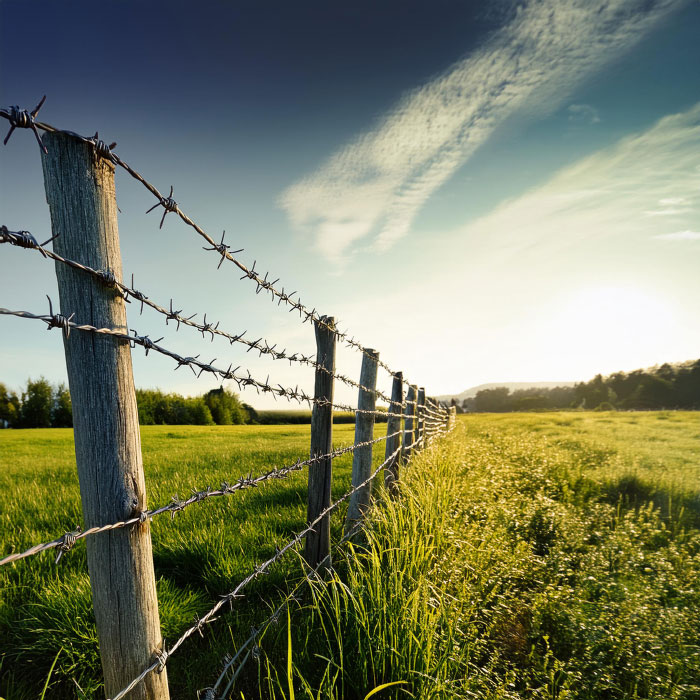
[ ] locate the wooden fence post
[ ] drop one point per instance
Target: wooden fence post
(393, 425)
(81, 197)
(409, 417)
(429, 425)
(420, 420)
(364, 432)
(318, 542)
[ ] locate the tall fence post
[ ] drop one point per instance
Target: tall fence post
(409, 418)
(81, 197)
(318, 541)
(393, 425)
(420, 419)
(364, 432)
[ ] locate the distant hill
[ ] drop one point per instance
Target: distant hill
(513, 386)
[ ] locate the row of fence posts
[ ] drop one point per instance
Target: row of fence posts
(318, 549)
(81, 197)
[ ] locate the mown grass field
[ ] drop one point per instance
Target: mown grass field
(547, 555)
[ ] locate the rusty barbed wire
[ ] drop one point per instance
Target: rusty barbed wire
(276, 390)
(162, 655)
(19, 118)
(66, 541)
(24, 239)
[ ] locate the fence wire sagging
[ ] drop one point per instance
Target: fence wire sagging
(86, 250)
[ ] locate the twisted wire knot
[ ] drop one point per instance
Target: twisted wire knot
(145, 341)
(23, 239)
(175, 506)
(68, 540)
(102, 150)
(20, 118)
(58, 320)
(161, 656)
(168, 204)
(222, 249)
(108, 278)
(24, 119)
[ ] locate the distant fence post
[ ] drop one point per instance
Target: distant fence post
(409, 417)
(420, 419)
(393, 425)
(364, 432)
(318, 542)
(429, 428)
(80, 193)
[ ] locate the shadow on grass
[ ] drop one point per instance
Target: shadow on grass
(632, 491)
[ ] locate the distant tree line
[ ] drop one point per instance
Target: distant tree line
(668, 386)
(43, 405)
(39, 405)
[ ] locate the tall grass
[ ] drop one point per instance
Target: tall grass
(541, 556)
(511, 567)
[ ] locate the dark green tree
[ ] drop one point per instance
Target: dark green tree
(493, 400)
(62, 411)
(9, 408)
(37, 404)
(225, 407)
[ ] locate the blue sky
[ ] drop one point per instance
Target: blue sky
(482, 191)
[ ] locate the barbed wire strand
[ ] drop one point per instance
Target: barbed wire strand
(163, 655)
(276, 390)
(272, 619)
(22, 118)
(66, 541)
(25, 239)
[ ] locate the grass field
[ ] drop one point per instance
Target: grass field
(547, 555)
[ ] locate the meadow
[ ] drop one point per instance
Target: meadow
(552, 555)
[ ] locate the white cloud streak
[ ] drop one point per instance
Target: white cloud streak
(378, 183)
(680, 236)
(605, 195)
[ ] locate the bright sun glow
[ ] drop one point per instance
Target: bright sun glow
(608, 327)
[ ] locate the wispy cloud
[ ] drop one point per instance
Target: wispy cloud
(583, 114)
(606, 194)
(680, 236)
(378, 183)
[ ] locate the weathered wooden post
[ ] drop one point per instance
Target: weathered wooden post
(420, 420)
(318, 542)
(393, 425)
(80, 193)
(364, 432)
(429, 421)
(409, 413)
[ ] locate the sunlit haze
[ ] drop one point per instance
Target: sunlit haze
(483, 195)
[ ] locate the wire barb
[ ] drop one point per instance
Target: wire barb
(101, 149)
(168, 204)
(58, 320)
(67, 542)
(24, 119)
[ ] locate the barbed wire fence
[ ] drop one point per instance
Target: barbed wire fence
(78, 179)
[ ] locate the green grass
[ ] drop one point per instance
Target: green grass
(550, 555)
(532, 556)
(200, 555)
